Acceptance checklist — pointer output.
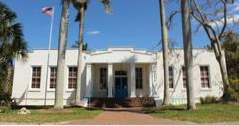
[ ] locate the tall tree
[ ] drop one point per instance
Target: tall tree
(12, 44)
(188, 56)
(164, 36)
(230, 44)
(60, 79)
(208, 17)
(81, 6)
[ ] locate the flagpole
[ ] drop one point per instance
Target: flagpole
(48, 55)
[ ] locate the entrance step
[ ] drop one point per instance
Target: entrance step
(121, 103)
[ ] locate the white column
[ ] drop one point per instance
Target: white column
(132, 80)
(150, 80)
(110, 80)
(88, 80)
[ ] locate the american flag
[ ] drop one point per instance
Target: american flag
(47, 10)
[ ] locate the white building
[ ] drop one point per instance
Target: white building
(114, 73)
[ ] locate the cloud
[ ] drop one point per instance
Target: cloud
(234, 8)
(230, 20)
(94, 32)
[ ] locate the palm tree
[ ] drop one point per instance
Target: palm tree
(164, 36)
(59, 93)
(188, 56)
(12, 44)
(81, 6)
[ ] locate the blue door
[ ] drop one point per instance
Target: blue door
(121, 85)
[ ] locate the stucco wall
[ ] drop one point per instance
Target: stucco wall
(151, 63)
(202, 57)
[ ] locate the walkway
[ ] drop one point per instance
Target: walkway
(125, 117)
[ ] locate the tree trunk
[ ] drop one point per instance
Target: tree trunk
(80, 51)
(224, 75)
(220, 56)
(188, 56)
(164, 36)
(8, 80)
(60, 82)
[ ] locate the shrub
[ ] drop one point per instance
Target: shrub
(208, 100)
(234, 83)
(230, 95)
(5, 99)
(5, 109)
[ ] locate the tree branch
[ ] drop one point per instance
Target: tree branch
(225, 19)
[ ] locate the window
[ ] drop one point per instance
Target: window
(170, 77)
(36, 77)
(53, 77)
(204, 76)
(103, 78)
(72, 78)
(184, 77)
(139, 78)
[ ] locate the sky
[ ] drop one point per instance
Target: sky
(133, 23)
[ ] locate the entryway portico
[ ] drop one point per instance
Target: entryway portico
(119, 76)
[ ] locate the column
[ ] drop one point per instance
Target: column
(132, 80)
(88, 80)
(150, 80)
(110, 80)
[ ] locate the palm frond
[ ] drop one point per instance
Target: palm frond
(107, 6)
(12, 43)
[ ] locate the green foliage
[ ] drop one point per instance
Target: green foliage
(85, 46)
(231, 95)
(5, 109)
(208, 100)
(12, 44)
(230, 43)
(235, 84)
(5, 97)
(231, 46)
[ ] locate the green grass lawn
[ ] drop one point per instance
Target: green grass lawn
(48, 115)
(208, 113)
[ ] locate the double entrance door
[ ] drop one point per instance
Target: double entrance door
(121, 84)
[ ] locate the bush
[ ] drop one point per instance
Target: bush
(235, 84)
(208, 100)
(230, 95)
(5, 109)
(5, 99)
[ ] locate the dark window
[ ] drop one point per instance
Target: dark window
(170, 77)
(139, 78)
(103, 78)
(53, 77)
(36, 77)
(204, 72)
(121, 73)
(184, 77)
(72, 78)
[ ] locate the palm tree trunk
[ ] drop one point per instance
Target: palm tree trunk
(164, 36)
(188, 56)
(80, 51)
(59, 93)
(8, 80)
